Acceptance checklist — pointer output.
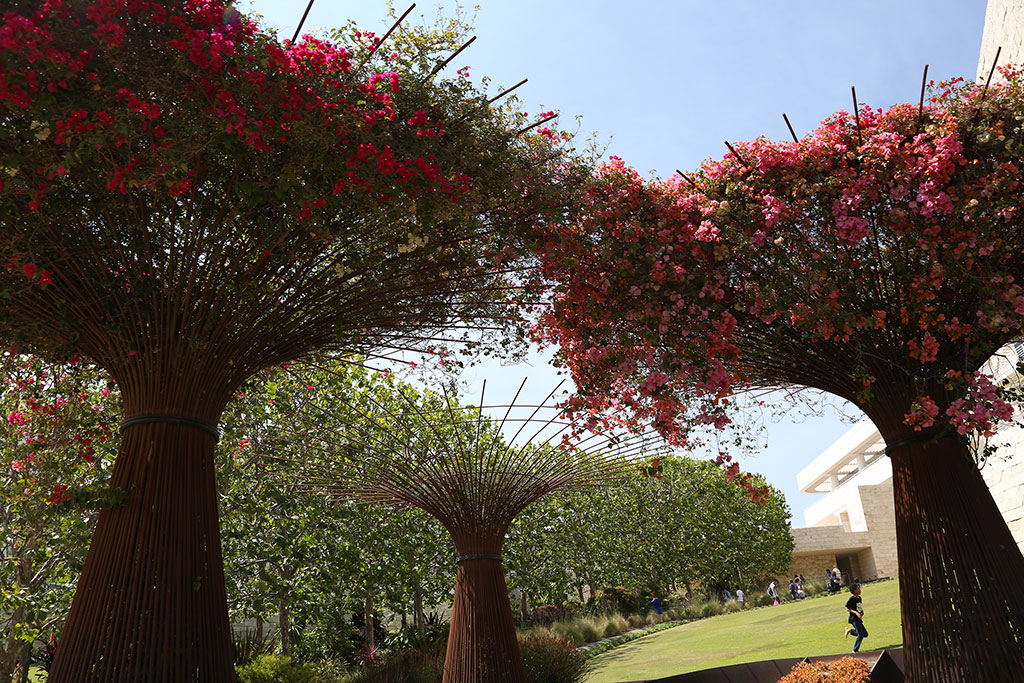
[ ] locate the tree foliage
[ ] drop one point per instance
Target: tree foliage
(57, 448)
(290, 547)
(687, 525)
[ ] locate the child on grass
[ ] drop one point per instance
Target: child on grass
(855, 606)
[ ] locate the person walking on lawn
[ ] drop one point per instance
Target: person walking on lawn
(855, 606)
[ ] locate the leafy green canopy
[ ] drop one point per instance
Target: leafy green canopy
(186, 199)
(688, 524)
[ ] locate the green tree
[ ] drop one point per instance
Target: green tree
(687, 524)
(291, 549)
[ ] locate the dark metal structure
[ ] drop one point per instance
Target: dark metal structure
(461, 467)
(257, 252)
(897, 318)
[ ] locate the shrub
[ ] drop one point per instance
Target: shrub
(618, 599)
(331, 671)
(412, 638)
(845, 670)
(732, 606)
(814, 587)
(710, 609)
(570, 630)
(552, 660)
(425, 665)
(546, 659)
(325, 641)
(635, 620)
(615, 625)
(274, 669)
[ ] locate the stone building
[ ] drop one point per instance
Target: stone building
(1004, 28)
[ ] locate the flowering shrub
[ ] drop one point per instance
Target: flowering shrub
(844, 670)
(57, 447)
(617, 599)
(548, 614)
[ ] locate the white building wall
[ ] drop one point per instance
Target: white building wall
(847, 497)
(1004, 27)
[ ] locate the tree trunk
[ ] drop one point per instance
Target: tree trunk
(961, 595)
(24, 661)
(482, 647)
(285, 628)
(417, 592)
(417, 606)
(283, 619)
(524, 606)
(11, 651)
(368, 625)
(150, 603)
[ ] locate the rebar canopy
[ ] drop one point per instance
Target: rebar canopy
(474, 473)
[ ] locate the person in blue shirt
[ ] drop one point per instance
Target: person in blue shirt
(656, 603)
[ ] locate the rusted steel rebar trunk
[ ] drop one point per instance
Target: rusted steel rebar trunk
(475, 483)
(482, 644)
(961, 594)
(150, 604)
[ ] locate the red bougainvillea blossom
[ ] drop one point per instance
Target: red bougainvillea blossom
(891, 242)
(186, 200)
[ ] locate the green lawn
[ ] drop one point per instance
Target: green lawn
(809, 627)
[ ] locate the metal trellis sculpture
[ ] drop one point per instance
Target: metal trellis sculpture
(455, 464)
(879, 259)
(199, 201)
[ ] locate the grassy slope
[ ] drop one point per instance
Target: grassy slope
(809, 627)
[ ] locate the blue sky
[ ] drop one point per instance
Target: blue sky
(665, 82)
